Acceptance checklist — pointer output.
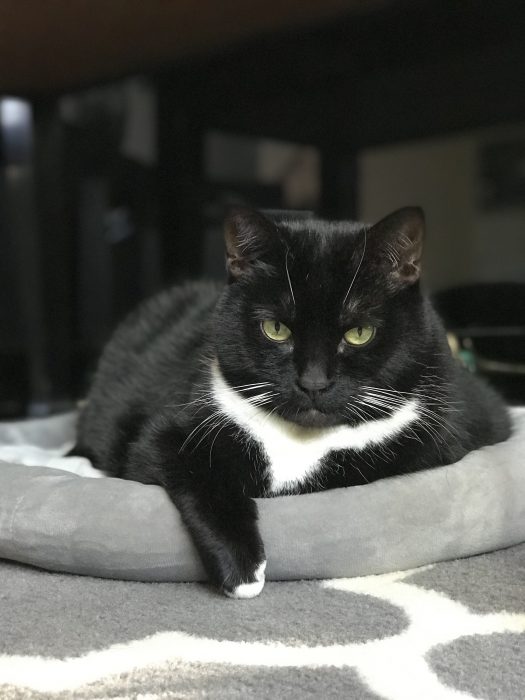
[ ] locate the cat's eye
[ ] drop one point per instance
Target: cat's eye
(275, 330)
(360, 335)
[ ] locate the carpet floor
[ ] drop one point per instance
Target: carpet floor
(454, 630)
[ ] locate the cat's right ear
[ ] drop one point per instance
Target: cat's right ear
(248, 235)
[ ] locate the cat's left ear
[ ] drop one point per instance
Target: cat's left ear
(398, 239)
(248, 236)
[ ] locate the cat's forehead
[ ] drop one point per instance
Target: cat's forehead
(321, 246)
(320, 260)
(318, 248)
(320, 231)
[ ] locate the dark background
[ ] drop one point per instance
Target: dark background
(128, 128)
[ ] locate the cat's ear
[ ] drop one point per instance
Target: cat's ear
(248, 235)
(398, 240)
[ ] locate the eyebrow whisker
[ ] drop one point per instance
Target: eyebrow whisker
(356, 272)
(288, 274)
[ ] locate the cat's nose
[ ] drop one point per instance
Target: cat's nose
(313, 379)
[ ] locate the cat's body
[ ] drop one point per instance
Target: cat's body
(193, 394)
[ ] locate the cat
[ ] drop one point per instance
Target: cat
(320, 364)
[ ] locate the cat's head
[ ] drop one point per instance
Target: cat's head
(317, 312)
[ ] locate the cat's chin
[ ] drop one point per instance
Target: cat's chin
(312, 418)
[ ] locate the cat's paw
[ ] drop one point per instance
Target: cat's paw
(248, 589)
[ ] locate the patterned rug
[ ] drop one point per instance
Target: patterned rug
(455, 630)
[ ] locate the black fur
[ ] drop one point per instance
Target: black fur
(150, 390)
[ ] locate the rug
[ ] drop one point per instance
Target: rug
(448, 631)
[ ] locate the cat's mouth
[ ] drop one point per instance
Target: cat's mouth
(314, 418)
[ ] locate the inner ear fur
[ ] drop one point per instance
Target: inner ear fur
(399, 241)
(247, 235)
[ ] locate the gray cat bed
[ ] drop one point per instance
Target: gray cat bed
(63, 521)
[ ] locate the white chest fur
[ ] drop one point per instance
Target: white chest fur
(293, 452)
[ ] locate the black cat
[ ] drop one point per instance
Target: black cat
(319, 365)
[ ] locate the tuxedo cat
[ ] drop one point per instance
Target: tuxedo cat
(319, 365)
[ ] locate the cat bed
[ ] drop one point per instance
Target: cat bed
(63, 521)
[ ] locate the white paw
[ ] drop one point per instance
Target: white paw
(250, 590)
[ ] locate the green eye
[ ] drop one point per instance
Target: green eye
(360, 335)
(275, 330)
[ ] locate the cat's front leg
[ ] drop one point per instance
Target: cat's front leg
(222, 521)
(224, 529)
(209, 495)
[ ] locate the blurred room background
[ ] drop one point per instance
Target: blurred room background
(128, 128)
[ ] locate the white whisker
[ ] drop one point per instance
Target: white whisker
(356, 272)
(288, 274)
(354, 466)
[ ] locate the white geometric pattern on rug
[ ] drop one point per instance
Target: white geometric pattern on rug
(393, 667)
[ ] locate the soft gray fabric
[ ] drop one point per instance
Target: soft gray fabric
(121, 529)
(400, 636)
